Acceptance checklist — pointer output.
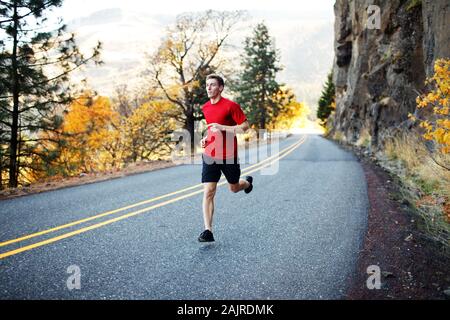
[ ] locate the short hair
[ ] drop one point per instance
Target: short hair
(217, 77)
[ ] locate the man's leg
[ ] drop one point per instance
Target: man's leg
(232, 172)
(209, 192)
(241, 185)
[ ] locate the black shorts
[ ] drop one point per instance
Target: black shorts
(212, 171)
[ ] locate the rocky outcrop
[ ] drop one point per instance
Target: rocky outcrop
(379, 72)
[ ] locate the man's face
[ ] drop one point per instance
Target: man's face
(213, 88)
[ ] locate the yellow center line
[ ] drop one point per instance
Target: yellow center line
(131, 214)
(40, 233)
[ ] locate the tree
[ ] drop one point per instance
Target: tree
(90, 128)
(89, 139)
(188, 53)
(122, 102)
(257, 89)
(35, 61)
(147, 131)
(326, 101)
(438, 127)
(435, 106)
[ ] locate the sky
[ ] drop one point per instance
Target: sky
(73, 9)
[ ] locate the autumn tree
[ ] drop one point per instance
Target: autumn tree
(36, 59)
(257, 88)
(147, 120)
(189, 51)
(435, 104)
(122, 101)
(290, 111)
(148, 129)
(89, 140)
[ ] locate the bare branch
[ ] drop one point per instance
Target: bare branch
(166, 93)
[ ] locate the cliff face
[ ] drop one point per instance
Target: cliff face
(379, 72)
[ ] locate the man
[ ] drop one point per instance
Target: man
(224, 118)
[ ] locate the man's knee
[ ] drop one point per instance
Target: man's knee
(210, 192)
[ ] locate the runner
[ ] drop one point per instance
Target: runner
(224, 118)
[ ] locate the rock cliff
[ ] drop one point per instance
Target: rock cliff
(380, 69)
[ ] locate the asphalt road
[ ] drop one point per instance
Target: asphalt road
(296, 236)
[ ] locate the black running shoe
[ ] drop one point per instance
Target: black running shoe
(206, 236)
(249, 179)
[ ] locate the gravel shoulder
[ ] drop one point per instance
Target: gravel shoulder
(412, 267)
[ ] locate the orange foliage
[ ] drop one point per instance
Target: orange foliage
(91, 129)
(438, 128)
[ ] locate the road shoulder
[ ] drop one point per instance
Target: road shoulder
(412, 267)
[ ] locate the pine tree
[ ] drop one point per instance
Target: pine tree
(257, 89)
(35, 62)
(326, 100)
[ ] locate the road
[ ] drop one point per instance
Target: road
(296, 236)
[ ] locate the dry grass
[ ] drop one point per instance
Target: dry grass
(364, 139)
(339, 136)
(426, 184)
(418, 163)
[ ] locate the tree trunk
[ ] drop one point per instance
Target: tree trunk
(190, 122)
(13, 170)
(262, 110)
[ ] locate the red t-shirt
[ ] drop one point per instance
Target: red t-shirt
(222, 145)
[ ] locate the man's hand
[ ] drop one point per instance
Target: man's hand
(203, 142)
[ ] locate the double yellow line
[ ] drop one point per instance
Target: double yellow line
(258, 166)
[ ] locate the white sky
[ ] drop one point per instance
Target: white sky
(72, 9)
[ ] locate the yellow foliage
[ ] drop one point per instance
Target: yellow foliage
(438, 100)
(291, 113)
(147, 129)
